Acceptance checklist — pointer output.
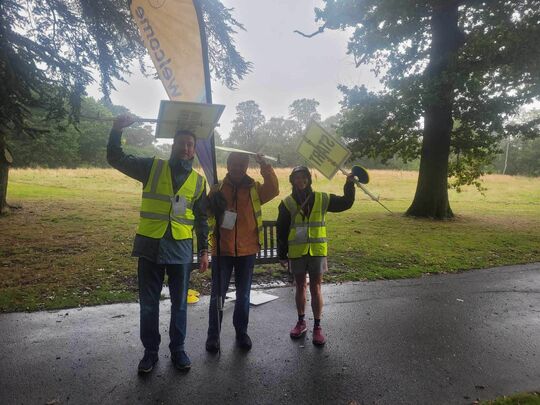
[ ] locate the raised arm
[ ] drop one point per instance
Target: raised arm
(137, 168)
(270, 186)
(342, 203)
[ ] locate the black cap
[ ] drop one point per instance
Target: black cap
(299, 169)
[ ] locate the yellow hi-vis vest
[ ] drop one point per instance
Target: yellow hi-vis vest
(311, 239)
(255, 203)
(156, 206)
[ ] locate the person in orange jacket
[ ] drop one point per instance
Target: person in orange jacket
(236, 204)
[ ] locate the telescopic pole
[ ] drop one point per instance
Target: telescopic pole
(204, 46)
(365, 190)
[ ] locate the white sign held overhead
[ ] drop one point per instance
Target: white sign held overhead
(200, 119)
(227, 149)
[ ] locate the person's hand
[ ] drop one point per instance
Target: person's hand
(122, 121)
(217, 203)
(259, 158)
(351, 178)
(203, 262)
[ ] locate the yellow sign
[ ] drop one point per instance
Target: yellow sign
(323, 150)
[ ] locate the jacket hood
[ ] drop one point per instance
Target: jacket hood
(246, 182)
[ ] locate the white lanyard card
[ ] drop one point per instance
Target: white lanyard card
(301, 233)
(179, 205)
(229, 219)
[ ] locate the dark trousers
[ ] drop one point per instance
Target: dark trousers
(243, 274)
(151, 276)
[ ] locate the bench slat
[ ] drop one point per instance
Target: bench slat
(267, 254)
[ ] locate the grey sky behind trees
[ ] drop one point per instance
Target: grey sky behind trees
(287, 66)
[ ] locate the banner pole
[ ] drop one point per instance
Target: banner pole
(208, 90)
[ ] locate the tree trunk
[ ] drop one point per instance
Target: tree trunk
(431, 198)
(4, 170)
(5, 161)
(506, 156)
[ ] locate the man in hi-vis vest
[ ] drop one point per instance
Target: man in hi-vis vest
(173, 204)
(302, 243)
(236, 203)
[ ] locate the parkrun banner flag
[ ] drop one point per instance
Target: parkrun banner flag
(172, 35)
(170, 31)
(322, 150)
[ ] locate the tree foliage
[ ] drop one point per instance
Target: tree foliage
(523, 157)
(277, 136)
(226, 63)
(50, 49)
(281, 135)
(249, 118)
(84, 145)
(454, 71)
(303, 111)
(520, 152)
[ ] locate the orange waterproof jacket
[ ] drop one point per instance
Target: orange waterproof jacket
(243, 239)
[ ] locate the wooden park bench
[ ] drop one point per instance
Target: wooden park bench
(268, 252)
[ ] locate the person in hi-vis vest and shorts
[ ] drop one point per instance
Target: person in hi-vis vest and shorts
(173, 204)
(302, 242)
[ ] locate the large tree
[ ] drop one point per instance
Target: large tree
(249, 118)
(303, 111)
(50, 49)
(453, 71)
(280, 136)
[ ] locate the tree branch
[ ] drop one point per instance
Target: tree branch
(319, 31)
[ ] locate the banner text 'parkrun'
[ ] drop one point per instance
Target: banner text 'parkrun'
(159, 54)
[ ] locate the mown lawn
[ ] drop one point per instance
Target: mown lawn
(527, 398)
(70, 244)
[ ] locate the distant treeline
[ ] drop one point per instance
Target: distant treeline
(523, 157)
(84, 144)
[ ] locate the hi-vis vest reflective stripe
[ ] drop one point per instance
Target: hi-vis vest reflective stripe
(313, 242)
(255, 203)
(156, 206)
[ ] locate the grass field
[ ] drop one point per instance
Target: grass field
(528, 398)
(70, 244)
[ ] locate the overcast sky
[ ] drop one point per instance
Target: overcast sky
(287, 66)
